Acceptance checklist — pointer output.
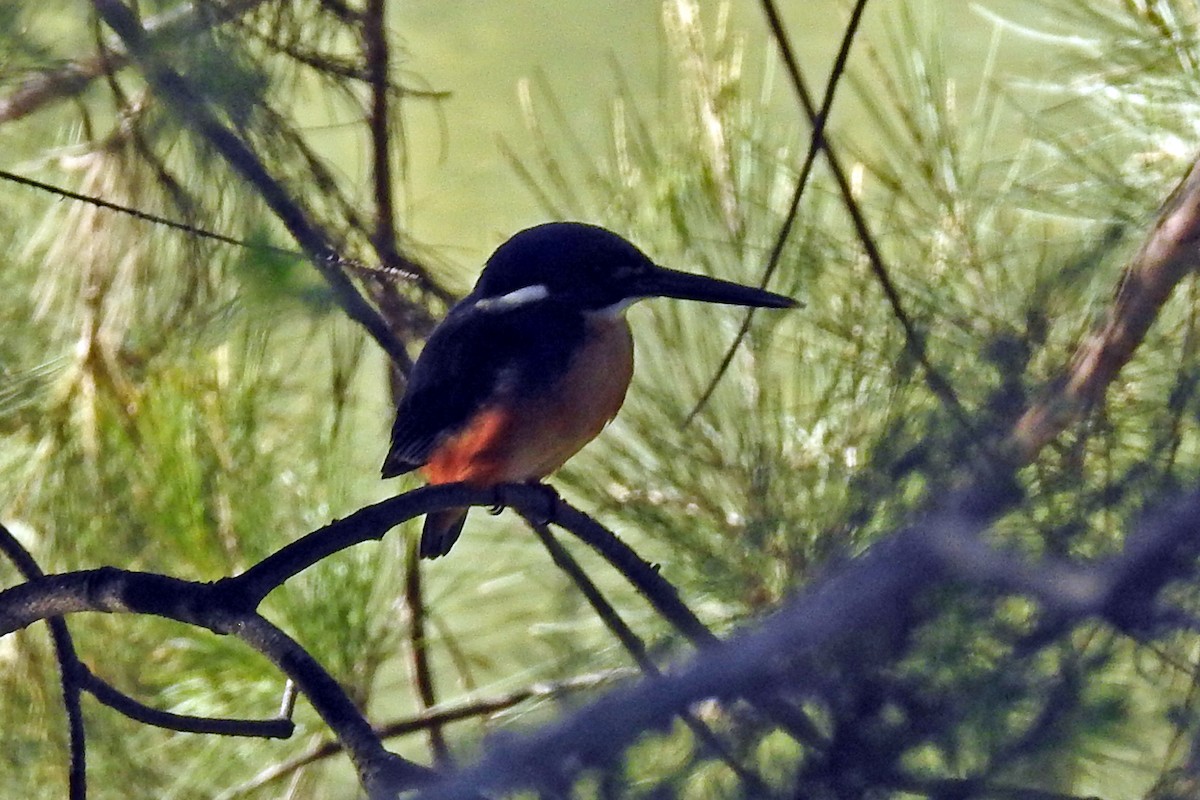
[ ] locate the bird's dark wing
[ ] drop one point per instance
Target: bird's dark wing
(472, 358)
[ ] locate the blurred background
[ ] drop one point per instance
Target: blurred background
(175, 404)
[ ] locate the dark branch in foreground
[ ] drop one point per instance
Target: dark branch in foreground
(871, 593)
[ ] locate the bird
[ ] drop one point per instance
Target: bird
(533, 363)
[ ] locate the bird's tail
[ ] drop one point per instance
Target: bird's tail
(441, 531)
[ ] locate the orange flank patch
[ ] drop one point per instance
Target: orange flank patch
(535, 435)
(475, 454)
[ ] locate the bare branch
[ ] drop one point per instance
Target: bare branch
(816, 143)
(1167, 256)
(377, 54)
(439, 716)
(278, 728)
(418, 642)
(137, 213)
(871, 593)
(661, 594)
(192, 108)
(70, 670)
(636, 648)
(71, 80)
(213, 607)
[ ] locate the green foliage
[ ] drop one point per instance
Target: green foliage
(1004, 221)
(169, 406)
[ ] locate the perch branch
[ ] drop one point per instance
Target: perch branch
(210, 606)
(636, 648)
(663, 596)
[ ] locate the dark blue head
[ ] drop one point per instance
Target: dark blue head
(595, 269)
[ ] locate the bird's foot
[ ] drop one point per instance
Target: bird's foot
(542, 513)
(498, 505)
(549, 513)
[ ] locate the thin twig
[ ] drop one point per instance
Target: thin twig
(914, 338)
(278, 728)
(193, 109)
(440, 716)
(816, 143)
(636, 648)
(384, 239)
(70, 670)
(418, 642)
(390, 271)
(377, 56)
(145, 216)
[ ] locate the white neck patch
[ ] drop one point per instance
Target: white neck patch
(515, 298)
(615, 310)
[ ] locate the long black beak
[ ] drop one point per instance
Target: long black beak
(663, 282)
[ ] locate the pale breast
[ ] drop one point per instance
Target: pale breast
(578, 407)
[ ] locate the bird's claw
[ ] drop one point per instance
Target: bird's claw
(552, 497)
(498, 505)
(545, 515)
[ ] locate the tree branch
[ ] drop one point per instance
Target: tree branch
(193, 109)
(872, 593)
(72, 79)
(210, 606)
(71, 672)
(418, 642)
(1168, 254)
(816, 143)
(377, 53)
(636, 648)
(106, 693)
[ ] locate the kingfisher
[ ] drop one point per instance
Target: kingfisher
(534, 362)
